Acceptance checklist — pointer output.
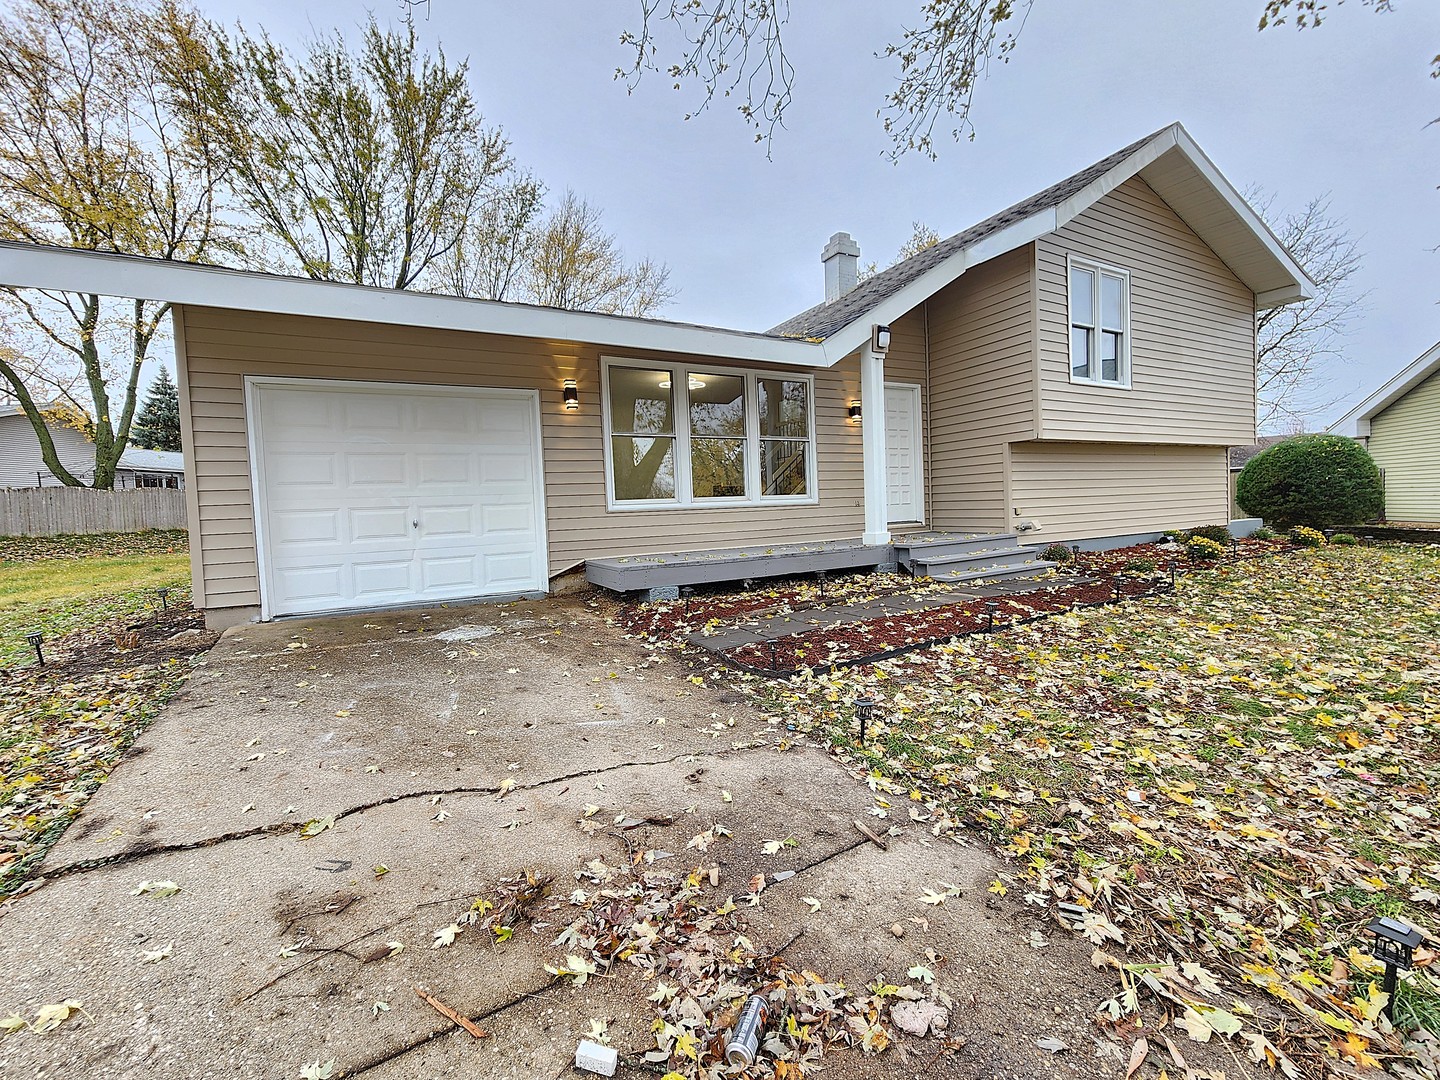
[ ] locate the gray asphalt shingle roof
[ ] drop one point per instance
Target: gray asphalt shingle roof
(822, 320)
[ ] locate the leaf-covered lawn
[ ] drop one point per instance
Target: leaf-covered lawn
(1231, 782)
(111, 664)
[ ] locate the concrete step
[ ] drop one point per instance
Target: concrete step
(927, 547)
(929, 565)
(1009, 571)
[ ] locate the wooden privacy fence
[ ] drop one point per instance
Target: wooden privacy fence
(56, 511)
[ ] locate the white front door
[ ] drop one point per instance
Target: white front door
(370, 495)
(904, 468)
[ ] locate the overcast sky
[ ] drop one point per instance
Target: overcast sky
(1339, 110)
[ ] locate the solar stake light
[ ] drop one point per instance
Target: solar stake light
(1394, 947)
(774, 664)
(164, 593)
(1075, 550)
(990, 606)
(35, 641)
(1172, 575)
(820, 577)
(1119, 582)
(864, 710)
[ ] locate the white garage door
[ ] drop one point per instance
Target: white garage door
(375, 494)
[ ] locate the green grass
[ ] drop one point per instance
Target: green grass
(61, 596)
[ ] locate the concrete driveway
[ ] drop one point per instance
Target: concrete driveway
(406, 729)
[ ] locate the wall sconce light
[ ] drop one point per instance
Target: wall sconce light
(854, 412)
(1395, 948)
(880, 338)
(571, 394)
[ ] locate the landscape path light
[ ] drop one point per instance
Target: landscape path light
(35, 641)
(1395, 948)
(864, 710)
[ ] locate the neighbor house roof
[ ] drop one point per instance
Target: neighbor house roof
(138, 460)
(1169, 161)
(1240, 455)
(1357, 420)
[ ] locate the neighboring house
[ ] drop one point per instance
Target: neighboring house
(21, 465)
(1079, 363)
(1400, 425)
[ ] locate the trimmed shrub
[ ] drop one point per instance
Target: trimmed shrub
(1140, 566)
(1203, 549)
(1306, 537)
(1057, 553)
(1343, 539)
(1175, 536)
(1314, 480)
(1219, 533)
(1264, 533)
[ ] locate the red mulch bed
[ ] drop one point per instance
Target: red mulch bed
(856, 641)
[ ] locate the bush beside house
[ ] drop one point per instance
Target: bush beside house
(1314, 480)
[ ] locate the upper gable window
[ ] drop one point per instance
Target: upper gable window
(1099, 324)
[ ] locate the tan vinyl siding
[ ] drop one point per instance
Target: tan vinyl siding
(1405, 442)
(983, 392)
(1192, 331)
(222, 346)
(1082, 490)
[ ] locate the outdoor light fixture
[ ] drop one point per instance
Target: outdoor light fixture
(164, 593)
(990, 606)
(35, 641)
(854, 412)
(1172, 575)
(880, 338)
(1075, 550)
(1119, 582)
(820, 577)
(571, 393)
(686, 592)
(864, 710)
(774, 663)
(1395, 948)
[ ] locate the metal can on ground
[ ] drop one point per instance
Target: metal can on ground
(744, 1040)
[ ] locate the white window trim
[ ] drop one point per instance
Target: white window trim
(680, 385)
(1073, 262)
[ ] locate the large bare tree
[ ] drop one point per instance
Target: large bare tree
(92, 156)
(734, 51)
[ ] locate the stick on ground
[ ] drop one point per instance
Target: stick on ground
(451, 1015)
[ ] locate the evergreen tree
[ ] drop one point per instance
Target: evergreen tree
(158, 425)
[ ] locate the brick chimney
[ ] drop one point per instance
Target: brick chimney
(842, 266)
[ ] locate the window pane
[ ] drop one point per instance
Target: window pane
(1080, 352)
(639, 403)
(717, 468)
(783, 410)
(782, 467)
(1082, 296)
(644, 467)
(1111, 290)
(1110, 356)
(717, 404)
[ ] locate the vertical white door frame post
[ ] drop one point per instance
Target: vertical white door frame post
(873, 445)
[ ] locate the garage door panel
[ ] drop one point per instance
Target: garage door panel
(375, 470)
(398, 495)
(322, 586)
(306, 526)
(382, 581)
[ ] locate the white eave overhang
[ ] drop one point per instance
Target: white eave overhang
(1184, 177)
(68, 270)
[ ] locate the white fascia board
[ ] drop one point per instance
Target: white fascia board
(1391, 391)
(1175, 137)
(1096, 190)
(67, 270)
(846, 340)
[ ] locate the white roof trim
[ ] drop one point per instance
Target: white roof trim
(1391, 391)
(1175, 137)
(69, 270)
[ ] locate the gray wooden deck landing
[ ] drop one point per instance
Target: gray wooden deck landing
(986, 555)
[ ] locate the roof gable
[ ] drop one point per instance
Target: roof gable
(1391, 391)
(1168, 160)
